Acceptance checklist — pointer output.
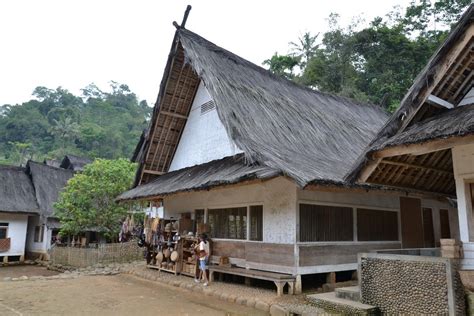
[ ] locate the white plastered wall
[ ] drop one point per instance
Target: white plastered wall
(278, 197)
(204, 137)
(463, 167)
(17, 225)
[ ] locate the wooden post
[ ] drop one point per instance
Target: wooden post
(248, 281)
(331, 278)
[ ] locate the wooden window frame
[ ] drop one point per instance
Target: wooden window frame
(249, 223)
(247, 229)
(4, 226)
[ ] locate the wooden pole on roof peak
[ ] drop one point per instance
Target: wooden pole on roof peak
(185, 18)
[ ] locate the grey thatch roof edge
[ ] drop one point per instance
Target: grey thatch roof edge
(290, 127)
(226, 171)
(17, 194)
(410, 101)
(48, 181)
(457, 122)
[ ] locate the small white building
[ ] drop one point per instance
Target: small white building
(27, 196)
(17, 204)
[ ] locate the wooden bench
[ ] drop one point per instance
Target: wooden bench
(278, 278)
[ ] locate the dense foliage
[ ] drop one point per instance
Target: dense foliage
(88, 200)
(95, 124)
(375, 63)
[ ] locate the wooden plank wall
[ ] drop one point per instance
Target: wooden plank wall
(255, 252)
(313, 255)
(267, 253)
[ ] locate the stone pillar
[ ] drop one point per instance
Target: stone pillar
(298, 285)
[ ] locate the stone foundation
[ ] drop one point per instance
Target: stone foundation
(411, 284)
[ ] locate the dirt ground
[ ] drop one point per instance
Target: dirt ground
(108, 295)
(16, 271)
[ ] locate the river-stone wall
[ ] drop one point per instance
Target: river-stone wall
(411, 284)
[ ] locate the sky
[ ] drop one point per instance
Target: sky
(73, 43)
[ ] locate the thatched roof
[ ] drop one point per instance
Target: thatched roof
(446, 76)
(229, 170)
(456, 122)
(52, 162)
(17, 194)
(299, 132)
(74, 163)
(48, 182)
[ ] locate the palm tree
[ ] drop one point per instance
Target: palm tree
(64, 131)
(305, 49)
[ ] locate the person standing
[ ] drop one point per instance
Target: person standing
(203, 251)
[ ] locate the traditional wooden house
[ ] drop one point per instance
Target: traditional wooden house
(428, 144)
(263, 162)
(17, 204)
(27, 195)
(48, 182)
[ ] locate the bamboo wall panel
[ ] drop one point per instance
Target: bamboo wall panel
(377, 225)
(325, 223)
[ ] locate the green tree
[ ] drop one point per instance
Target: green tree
(88, 200)
(65, 132)
(282, 65)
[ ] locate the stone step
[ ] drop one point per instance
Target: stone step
(467, 264)
(332, 304)
(351, 293)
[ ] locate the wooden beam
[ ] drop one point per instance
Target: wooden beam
(426, 147)
(368, 170)
(442, 68)
(153, 172)
(174, 115)
(409, 165)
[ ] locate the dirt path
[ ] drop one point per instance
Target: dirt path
(108, 295)
(16, 271)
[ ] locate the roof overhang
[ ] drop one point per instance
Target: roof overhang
(435, 94)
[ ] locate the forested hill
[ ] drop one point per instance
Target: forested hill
(55, 122)
(375, 61)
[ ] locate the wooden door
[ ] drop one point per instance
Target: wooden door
(412, 223)
(428, 231)
(444, 223)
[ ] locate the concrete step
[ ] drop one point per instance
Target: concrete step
(332, 304)
(351, 293)
(468, 246)
(467, 264)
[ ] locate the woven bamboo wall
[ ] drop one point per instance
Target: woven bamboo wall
(104, 253)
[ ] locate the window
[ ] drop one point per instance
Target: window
(229, 223)
(256, 222)
(3, 230)
(376, 225)
(325, 223)
(39, 231)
